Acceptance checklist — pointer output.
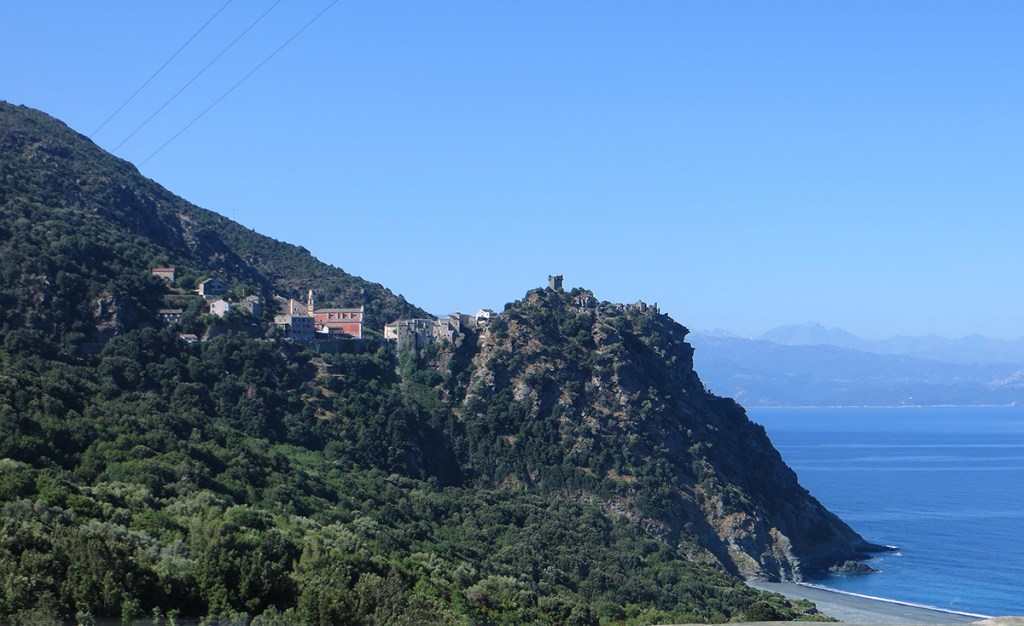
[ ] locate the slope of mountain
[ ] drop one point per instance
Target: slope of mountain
(608, 394)
(563, 464)
(762, 373)
(78, 223)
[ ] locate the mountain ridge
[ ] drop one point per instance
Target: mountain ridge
(967, 350)
(763, 373)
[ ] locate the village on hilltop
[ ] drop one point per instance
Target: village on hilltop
(327, 328)
(336, 329)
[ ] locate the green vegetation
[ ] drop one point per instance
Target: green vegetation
(548, 470)
(198, 480)
(91, 220)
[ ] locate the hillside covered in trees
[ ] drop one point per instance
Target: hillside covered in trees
(81, 226)
(561, 465)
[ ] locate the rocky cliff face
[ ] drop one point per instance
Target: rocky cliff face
(601, 402)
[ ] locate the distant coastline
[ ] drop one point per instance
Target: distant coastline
(765, 373)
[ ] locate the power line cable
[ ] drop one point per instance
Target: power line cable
(194, 78)
(166, 63)
(236, 85)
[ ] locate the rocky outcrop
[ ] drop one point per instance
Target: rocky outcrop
(600, 402)
(852, 567)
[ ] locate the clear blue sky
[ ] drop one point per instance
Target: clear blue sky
(744, 164)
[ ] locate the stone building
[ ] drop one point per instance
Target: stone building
(298, 328)
(295, 321)
(212, 287)
(252, 304)
(419, 333)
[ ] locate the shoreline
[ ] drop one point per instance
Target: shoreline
(915, 605)
(882, 406)
(847, 606)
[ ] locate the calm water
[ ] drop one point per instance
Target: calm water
(945, 485)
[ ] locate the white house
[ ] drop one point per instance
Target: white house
(483, 316)
(220, 307)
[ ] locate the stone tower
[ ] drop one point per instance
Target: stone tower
(555, 282)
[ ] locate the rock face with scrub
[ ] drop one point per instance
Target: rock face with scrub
(600, 402)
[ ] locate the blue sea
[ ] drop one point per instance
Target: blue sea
(945, 485)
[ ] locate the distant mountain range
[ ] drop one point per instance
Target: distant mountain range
(810, 365)
(971, 349)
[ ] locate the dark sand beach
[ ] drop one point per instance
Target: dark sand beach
(864, 610)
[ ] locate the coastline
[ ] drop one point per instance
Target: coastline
(912, 477)
(880, 406)
(857, 608)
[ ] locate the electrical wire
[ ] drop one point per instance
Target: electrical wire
(243, 79)
(166, 63)
(194, 78)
